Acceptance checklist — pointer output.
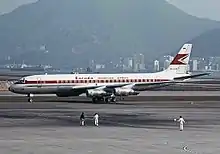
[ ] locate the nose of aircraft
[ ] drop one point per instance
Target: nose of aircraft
(10, 88)
(16, 89)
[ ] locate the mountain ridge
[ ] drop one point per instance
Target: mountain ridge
(75, 32)
(207, 43)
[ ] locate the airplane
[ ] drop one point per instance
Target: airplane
(105, 87)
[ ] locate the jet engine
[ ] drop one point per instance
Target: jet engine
(96, 93)
(124, 92)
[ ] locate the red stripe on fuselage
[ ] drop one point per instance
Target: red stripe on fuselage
(94, 81)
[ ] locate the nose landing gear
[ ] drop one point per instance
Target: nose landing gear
(30, 98)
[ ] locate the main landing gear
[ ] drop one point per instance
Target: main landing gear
(104, 99)
(30, 98)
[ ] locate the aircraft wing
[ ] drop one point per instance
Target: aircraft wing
(97, 87)
(191, 76)
(85, 87)
(151, 86)
(143, 86)
(74, 88)
(140, 86)
(127, 85)
(80, 89)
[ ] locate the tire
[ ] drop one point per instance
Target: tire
(113, 100)
(30, 100)
(94, 100)
(106, 100)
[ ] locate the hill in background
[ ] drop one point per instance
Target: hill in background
(208, 44)
(74, 32)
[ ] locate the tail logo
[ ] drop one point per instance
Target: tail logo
(180, 59)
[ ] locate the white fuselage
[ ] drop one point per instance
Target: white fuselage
(99, 84)
(53, 84)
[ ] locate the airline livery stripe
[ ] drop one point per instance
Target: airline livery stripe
(95, 81)
(179, 59)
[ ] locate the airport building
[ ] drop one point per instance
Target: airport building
(156, 66)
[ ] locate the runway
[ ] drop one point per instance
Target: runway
(143, 96)
(141, 126)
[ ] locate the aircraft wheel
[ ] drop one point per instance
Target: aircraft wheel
(30, 100)
(106, 100)
(94, 100)
(113, 100)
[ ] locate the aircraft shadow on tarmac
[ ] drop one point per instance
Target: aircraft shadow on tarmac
(183, 104)
(88, 102)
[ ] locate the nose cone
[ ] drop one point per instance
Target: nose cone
(10, 88)
(13, 88)
(16, 89)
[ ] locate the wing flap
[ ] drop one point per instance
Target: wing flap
(191, 76)
(151, 86)
(144, 85)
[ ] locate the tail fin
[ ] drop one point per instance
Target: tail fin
(179, 65)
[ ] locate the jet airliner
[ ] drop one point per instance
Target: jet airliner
(105, 87)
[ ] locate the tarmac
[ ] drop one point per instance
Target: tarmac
(135, 125)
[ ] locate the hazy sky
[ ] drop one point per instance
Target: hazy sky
(201, 8)
(9, 5)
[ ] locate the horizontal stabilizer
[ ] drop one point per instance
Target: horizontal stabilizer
(191, 76)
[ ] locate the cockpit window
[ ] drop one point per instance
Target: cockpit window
(21, 81)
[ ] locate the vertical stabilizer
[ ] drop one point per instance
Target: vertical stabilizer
(180, 63)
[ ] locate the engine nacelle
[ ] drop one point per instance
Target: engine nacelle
(124, 92)
(96, 93)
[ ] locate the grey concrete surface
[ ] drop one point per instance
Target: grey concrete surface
(143, 96)
(128, 127)
(180, 93)
(106, 140)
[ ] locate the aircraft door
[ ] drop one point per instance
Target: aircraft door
(39, 82)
